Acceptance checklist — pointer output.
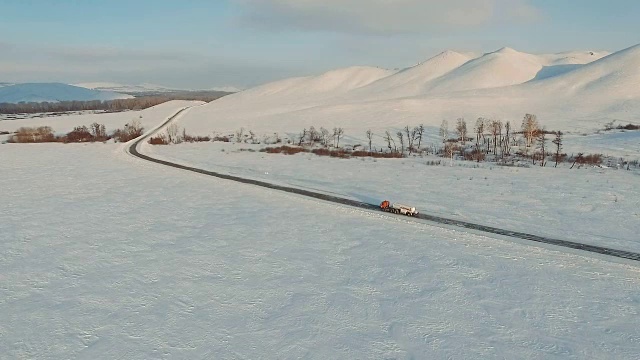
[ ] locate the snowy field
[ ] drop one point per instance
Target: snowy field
(106, 256)
(594, 206)
(149, 118)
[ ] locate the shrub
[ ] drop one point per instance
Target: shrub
(475, 155)
(629, 127)
(383, 155)
(287, 150)
(191, 139)
(33, 135)
(131, 131)
(159, 139)
(341, 154)
(78, 134)
(321, 152)
(221, 138)
(591, 159)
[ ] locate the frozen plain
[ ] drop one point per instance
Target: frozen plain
(107, 256)
(588, 205)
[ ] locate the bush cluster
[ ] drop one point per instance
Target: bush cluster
(337, 153)
(94, 133)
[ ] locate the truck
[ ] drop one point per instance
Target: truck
(398, 208)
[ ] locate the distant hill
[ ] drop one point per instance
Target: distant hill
(53, 92)
(576, 91)
(126, 89)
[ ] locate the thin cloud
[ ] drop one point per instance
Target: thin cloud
(45, 63)
(384, 16)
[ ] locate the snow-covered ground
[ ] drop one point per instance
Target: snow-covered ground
(595, 206)
(62, 124)
(106, 256)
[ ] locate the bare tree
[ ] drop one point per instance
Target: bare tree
(577, 158)
(411, 136)
(172, 133)
(240, 135)
(337, 134)
(505, 142)
(303, 136)
(389, 139)
(558, 143)
(313, 135)
(461, 129)
(98, 131)
(400, 136)
(370, 137)
(530, 128)
(419, 135)
(444, 131)
(449, 151)
(542, 142)
(479, 129)
(496, 131)
(324, 136)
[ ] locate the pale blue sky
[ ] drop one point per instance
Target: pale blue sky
(204, 44)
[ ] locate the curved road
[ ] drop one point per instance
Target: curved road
(133, 150)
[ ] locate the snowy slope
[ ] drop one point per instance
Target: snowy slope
(144, 262)
(415, 80)
(616, 75)
(501, 68)
(330, 84)
(572, 92)
(288, 96)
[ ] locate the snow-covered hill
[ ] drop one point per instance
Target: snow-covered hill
(570, 91)
(53, 92)
(414, 80)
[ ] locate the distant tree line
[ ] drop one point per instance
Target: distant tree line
(138, 103)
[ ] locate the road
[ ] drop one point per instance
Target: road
(133, 150)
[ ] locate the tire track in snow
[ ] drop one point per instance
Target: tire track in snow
(133, 150)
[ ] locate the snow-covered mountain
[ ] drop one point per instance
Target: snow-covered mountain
(145, 88)
(570, 91)
(122, 88)
(53, 92)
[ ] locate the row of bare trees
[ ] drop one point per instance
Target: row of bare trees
(92, 133)
(66, 106)
(137, 103)
(322, 137)
(407, 135)
(498, 138)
